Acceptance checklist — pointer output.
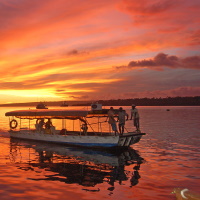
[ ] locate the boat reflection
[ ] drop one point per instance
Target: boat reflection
(71, 165)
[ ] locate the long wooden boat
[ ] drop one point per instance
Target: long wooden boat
(71, 127)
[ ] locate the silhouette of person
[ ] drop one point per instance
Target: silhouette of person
(122, 117)
(135, 117)
(48, 124)
(41, 124)
(111, 120)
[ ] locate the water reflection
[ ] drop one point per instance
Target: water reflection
(71, 165)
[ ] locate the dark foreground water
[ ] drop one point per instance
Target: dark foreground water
(166, 158)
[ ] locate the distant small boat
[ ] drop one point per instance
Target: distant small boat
(168, 110)
(64, 104)
(41, 106)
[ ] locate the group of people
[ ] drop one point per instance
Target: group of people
(43, 124)
(122, 118)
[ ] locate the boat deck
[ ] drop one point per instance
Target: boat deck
(73, 133)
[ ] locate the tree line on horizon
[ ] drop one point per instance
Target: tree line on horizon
(168, 101)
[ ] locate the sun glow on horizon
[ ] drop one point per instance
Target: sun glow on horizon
(77, 81)
(28, 93)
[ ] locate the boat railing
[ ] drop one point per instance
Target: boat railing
(85, 127)
(24, 128)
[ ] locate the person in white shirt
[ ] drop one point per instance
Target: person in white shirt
(136, 118)
(111, 120)
(122, 117)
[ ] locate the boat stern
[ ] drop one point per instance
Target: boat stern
(127, 140)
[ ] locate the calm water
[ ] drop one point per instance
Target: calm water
(166, 158)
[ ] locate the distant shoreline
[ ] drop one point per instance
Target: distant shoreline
(169, 101)
(47, 103)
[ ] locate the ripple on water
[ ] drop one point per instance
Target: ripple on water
(169, 159)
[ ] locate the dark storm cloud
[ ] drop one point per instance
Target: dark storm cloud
(165, 60)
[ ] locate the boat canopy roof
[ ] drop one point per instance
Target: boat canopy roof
(51, 113)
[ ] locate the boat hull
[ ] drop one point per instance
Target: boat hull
(81, 140)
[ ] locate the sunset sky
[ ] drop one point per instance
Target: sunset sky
(54, 50)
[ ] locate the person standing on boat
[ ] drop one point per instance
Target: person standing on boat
(111, 120)
(122, 117)
(135, 117)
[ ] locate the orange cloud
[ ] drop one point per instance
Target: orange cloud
(36, 23)
(69, 48)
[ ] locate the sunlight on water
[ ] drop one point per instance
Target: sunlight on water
(166, 158)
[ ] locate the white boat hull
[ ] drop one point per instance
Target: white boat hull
(81, 140)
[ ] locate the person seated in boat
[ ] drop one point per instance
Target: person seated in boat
(48, 124)
(84, 127)
(63, 131)
(111, 120)
(41, 125)
(122, 118)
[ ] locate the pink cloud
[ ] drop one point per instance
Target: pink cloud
(175, 23)
(162, 12)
